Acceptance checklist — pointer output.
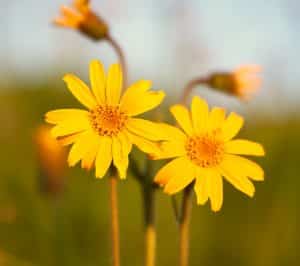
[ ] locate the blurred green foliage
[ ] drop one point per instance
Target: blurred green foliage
(73, 228)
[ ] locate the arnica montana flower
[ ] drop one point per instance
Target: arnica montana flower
(81, 17)
(51, 154)
(51, 159)
(243, 82)
(205, 152)
(106, 131)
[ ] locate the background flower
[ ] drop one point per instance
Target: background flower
(243, 82)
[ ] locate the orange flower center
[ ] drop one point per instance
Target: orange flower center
(206, 150)
(108, 120)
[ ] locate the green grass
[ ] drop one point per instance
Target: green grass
(73, 229)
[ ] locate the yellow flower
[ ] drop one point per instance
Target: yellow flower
(205, 152)
(106, 131)
(51, 156)
(243, 82)
(81, 17)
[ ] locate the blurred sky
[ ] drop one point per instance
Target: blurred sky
(167, 41)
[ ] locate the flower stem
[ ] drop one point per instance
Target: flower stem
(190, 86)
(150, 230)
(121, 56)
(184, 226)
(114, 220)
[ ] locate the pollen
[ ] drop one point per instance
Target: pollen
(108, 120)
(205, 150)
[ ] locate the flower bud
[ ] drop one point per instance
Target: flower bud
(243, 82)
(82, 18)
(51, 158)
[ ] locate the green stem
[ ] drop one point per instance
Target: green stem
(184, 226)
(120, 53)
(150, 230)
(189, 88)
(114, 220)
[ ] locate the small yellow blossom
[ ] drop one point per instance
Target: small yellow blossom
(205, 152)
(106, 131)
(81, 17)
(51, 158)
(243, 82)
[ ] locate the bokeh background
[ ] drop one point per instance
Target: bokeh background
(169, 42)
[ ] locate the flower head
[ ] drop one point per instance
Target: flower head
(81, 17)
(51, 157)
(243, 82)
(205, 152)
(51, 154)
(106, 131)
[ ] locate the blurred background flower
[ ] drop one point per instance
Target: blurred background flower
(244, 82)
(169, 42)
(52, 161)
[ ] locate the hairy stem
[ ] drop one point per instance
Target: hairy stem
(120, 53)
(184, 226)
(114, 220)
(189, 88)
(150, 229)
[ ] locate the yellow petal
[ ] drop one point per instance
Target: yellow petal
(170, 149)
(92, 148)
(216, 118)
(104, 156)
(126, 142)
(182, 174)
(89, 158)
(215, 190)
(183, 118)
(98, 83)
(201, 189)
(199, 114)
(244, 147)
(147, 100)
(244, 167)
(114, 84)
(180, 168)
(70, 127)
(146, 129)
(70, 139)
(120, 150)
(232, 126)
(80, 147)
(143, 144)
(236, 178)
(64, 22)
(80, 91)
(56, 116)
(172, 133)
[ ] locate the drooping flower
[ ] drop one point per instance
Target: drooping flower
(106, 131)
(205, 152)
(51, 159)
(243, 82)
(81, 17)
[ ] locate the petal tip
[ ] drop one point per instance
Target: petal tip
(67, 77)
(215, 210)
(216, 207)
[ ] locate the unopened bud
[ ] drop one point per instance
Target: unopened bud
(51, 158)
(243, 82)
(81, 17)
